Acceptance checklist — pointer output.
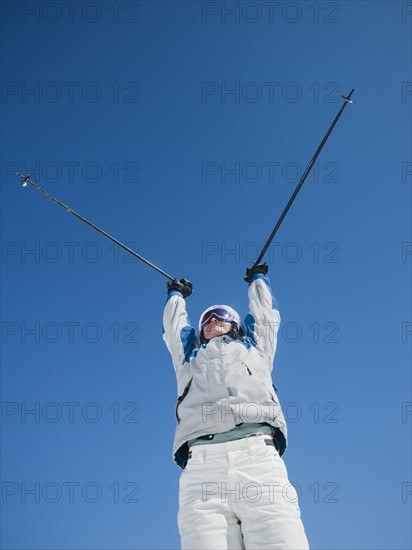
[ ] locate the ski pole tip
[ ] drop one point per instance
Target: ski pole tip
(24, 179)
(348, 97)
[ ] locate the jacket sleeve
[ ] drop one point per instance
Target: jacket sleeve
(179, 336)
(262, 322)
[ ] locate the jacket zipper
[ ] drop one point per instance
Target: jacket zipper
(273, 399)
(180, 399)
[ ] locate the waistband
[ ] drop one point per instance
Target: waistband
(237, 444)
(239, 432)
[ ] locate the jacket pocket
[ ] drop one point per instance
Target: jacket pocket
(180, 399)
(275, 393)
(260, 384)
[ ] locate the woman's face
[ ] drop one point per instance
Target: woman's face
(216, 328)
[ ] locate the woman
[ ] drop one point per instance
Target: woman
(231, 432)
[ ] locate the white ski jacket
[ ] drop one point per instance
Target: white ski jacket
(225, 382)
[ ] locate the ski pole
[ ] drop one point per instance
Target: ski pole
(26, 180)
(302, 179)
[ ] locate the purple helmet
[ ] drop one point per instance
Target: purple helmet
(222, 313)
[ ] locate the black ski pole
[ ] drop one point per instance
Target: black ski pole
(302, 179)
(26, 180)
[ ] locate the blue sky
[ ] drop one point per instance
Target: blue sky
(182, 129)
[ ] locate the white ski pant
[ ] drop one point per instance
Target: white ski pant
(236, 495)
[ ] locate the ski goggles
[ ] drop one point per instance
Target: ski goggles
(220, 314)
